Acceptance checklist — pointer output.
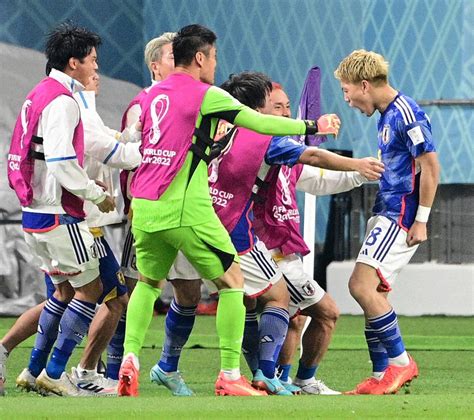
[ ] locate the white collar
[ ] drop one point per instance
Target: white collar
(72, 85)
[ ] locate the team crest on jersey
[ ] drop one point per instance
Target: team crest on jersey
(386, 133)
(309, 289)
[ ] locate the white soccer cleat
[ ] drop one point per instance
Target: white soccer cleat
(26, 381)
(63, 386)
(93, 383)
(315, 387)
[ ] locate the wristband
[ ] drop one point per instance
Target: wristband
(422, 214)
(311, 127)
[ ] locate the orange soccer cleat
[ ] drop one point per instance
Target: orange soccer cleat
(370, 385)
(393, 379)
(397, 376)
(128, 378)
(239, 388)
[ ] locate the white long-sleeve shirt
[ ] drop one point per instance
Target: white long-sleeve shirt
(317, 181)
(60, 169)
(105, 151)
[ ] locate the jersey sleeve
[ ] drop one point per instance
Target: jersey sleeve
(417, 136)
(318, 181)
(284, 151)
(220, 104)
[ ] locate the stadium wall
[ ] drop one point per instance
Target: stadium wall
(430, 44)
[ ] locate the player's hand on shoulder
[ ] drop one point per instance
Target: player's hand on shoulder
(107, 205)
(417, 234)
(328, 124)
(370, 168)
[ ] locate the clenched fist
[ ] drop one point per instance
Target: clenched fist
(328, 124)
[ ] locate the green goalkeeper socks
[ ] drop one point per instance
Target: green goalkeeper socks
(139, 315)
(230, 321)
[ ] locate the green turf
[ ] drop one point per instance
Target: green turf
(442, 346)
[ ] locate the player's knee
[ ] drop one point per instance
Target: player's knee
(64, 292)
(187, 293)
(356, 288)
(119, 304)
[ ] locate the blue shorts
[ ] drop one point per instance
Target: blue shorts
(111, 276)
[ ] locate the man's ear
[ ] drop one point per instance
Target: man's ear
(72, 63)
(365, 86)
(199, 57)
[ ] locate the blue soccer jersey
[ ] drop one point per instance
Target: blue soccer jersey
(404, 133)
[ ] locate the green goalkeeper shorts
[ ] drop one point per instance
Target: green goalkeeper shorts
(206, 246)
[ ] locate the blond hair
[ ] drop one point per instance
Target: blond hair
(153, 50)
(363, 65)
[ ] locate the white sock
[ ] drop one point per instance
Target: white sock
(83, 372)
(3, 352)
(401, 360)
(304, 382)
(378, 375)
(231, 374)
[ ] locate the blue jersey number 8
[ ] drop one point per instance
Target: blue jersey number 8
(372, 238)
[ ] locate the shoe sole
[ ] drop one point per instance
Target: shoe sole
(26, 386)
(125, 383)
(401, 385)
(224, 393)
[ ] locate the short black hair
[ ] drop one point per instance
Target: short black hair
(249, 87)
(66, 41)
(189, 40)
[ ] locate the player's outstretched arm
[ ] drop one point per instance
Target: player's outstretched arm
(318, 181)
(429, 179)
(368, 167)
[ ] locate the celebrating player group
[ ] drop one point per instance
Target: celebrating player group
(209, 178)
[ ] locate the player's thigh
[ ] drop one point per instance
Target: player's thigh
(111, 276)
(385, 250)
(303, 289)
(155, 253)
(208, 248)
(259, 269)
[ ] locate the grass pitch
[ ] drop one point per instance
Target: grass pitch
(442, 346)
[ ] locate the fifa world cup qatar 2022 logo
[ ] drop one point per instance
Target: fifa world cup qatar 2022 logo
(159, 108)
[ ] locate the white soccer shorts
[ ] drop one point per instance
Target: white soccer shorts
(303, 289)
(385, 249)
(259, 270)
(67, 253)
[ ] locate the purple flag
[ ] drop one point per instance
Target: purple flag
(310, 104)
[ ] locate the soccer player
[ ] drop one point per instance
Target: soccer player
(102, 152)
(172, 209)
(160, 62)
(307, 297)
(401, 211)
(45, 170)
